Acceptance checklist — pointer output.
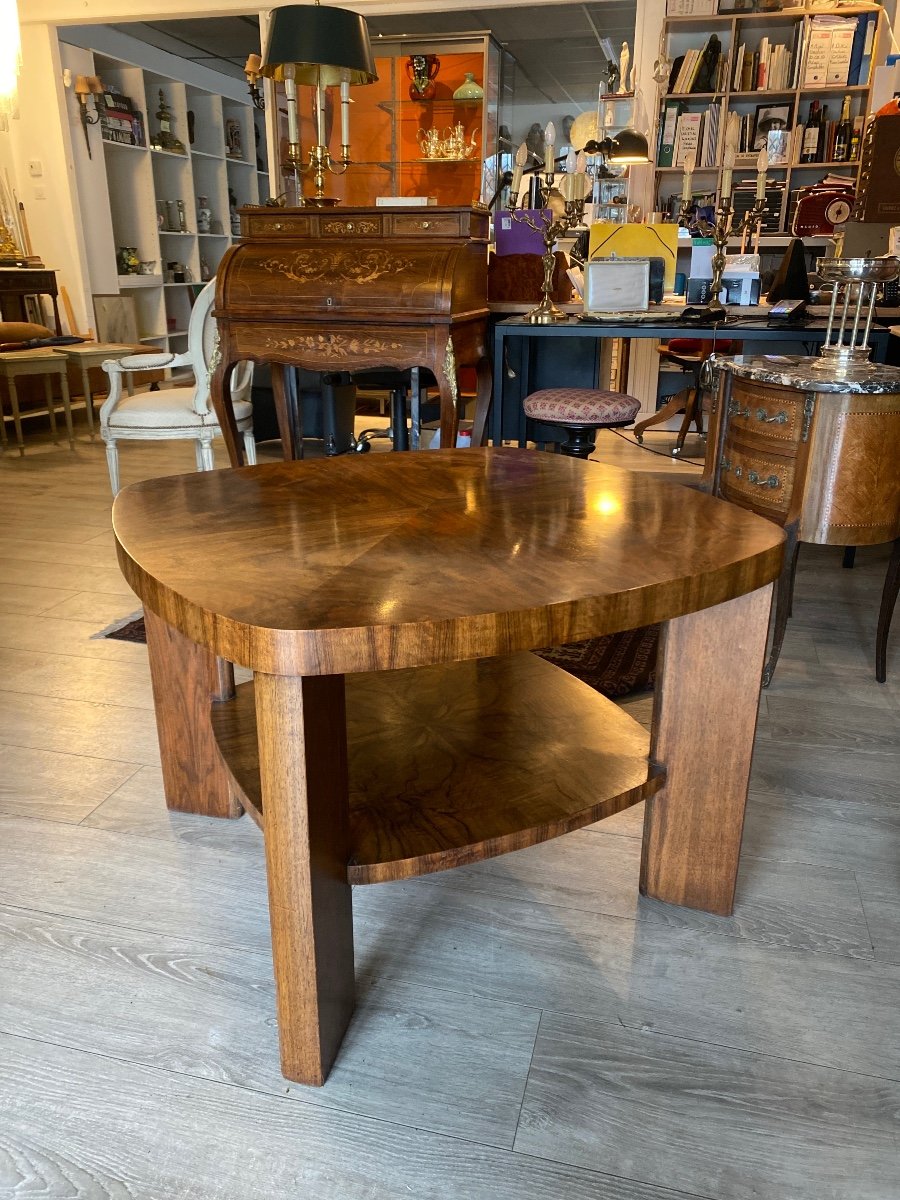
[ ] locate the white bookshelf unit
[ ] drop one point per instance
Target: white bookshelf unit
(749, 28)
(134, 195)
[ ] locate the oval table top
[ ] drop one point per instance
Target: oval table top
(386, 561)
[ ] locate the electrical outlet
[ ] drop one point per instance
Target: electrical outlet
(35, 167)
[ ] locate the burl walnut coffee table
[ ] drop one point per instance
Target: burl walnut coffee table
(396, 724)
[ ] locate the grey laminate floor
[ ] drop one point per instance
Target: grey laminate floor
(528, 1028)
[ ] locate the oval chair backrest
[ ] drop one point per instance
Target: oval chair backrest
(201, 348)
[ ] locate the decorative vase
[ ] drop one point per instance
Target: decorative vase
(127, 260)
(204, 215)
(422, 70)
(469, 89)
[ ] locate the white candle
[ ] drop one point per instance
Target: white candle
(521, 160)
(571, 160)
(320, 111)
(581, 163)
(290, 95)
(762, 165)
(549, 148)
(726, 174)
(690, 161)
(345, 112)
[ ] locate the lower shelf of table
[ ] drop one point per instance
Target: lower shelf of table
(460, 762)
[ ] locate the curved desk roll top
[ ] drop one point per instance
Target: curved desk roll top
(367, 288)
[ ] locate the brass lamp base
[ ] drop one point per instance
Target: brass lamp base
(545, 313)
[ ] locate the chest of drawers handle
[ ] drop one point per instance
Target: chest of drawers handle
(771, 481)
(727, 465)
(735, 410)
(780, 418)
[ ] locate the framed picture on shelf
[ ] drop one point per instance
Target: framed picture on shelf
(770, 117)
(737, 6)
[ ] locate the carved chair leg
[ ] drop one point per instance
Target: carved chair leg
(290, 429)
(670, 409)
(784, 590)
(112, 463)
(888, 601)
(690, 408)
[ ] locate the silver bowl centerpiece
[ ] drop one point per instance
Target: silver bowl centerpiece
(854, 282)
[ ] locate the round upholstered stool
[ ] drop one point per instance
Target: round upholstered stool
(581, 411)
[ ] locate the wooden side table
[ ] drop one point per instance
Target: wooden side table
(92, 354)
(47, 362)
(365, 619)
(815, 452)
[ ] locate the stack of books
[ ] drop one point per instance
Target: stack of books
(119, 120)
(768, 68)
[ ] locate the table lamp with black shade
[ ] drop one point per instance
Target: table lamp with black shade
(322, 47)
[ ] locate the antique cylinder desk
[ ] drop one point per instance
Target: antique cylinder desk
(364, 287)
(817, 453)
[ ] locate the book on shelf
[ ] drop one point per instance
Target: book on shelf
(701, 69)
(865, 64)
(836, 48)
(687, 136)
(667, 131)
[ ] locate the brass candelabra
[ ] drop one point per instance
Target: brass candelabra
(320, 163)
(720, 231)
(559, 214)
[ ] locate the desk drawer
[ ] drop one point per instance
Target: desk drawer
(763, 482)
(462, 223)
(770, 417)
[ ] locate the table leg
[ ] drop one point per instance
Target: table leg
(48, 397)
(67, 407)
(88, 398)
(287, 412)
(17, 416)
(704, 723)
(484, 386)
(301, 729)
(186, 679)
(3, 441)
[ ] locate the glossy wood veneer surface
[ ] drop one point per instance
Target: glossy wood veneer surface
(368, 563)
(457, 763)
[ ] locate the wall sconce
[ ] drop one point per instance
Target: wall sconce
(85, 87)
(252, 69)
(321, 47)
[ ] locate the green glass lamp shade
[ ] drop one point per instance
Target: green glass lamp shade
(326, 45)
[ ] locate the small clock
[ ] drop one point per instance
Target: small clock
(838, 211)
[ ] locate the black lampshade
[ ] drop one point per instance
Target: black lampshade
(327, 45)
(628, 146)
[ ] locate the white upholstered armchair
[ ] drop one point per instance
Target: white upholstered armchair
(175, 412)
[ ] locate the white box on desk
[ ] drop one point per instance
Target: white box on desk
(404, 201)
(740, 288)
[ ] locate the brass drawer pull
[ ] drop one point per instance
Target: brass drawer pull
(349, 226)
(728, 465)
(426, 224)
(780, 418)
(735, 410)
(771, 481)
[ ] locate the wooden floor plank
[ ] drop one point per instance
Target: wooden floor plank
(209, 1011)
(777, 904)
(633, 1103)
(76, 1124)
(57, 787)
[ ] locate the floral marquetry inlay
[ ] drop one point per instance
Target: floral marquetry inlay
(338, 345)
(341, 266)
(355, 226)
